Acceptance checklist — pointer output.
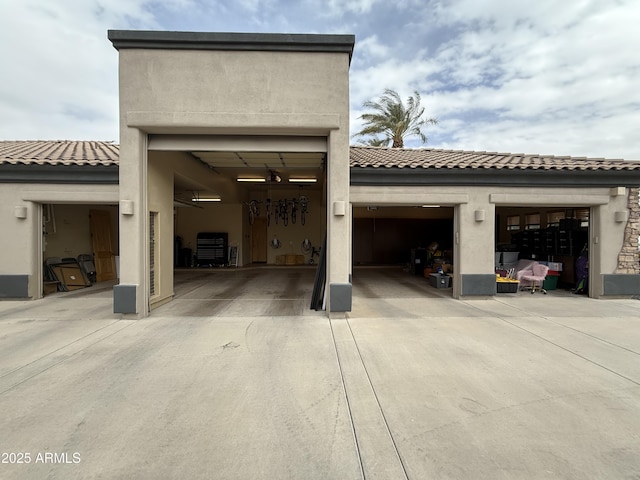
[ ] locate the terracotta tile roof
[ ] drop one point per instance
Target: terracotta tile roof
(58, 152)
(382, 157)
(65, 152)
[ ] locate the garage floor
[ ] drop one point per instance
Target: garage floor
(218, 385)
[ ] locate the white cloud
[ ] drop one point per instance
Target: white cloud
(63, 68)
(338, 7)
(554, 77)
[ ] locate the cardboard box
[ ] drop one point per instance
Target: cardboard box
(49, 287)
(290, 260)
(71, 277)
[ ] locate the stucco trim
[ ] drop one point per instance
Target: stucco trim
(96, 196)
(230, 41)
(233, 123)
(559, 198)
(14, 286)
(493, 177)
(66, 174)
(362, 196)
(620, 284)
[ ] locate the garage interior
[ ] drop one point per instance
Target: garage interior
(419, 240)
(249, 208)
(556, 236)
(80, 247)
(405, 238)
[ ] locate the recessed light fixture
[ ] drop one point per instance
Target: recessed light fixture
(252, 179)
(430, 206)
(201, 199)
(303, 180)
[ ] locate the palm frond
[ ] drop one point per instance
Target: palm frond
(391, 118)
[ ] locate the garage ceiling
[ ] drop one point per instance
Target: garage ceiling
(260, 164)
(230, 157)
(227, 166)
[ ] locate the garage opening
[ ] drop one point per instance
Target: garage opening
(409, 245)
(247, 225)
(557, 237)
(80, 249)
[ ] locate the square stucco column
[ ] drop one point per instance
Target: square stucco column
(130, 296)
(474, 239)
(338, 223)
(612, 264)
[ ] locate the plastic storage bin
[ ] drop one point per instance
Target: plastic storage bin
(550, 282)
(439, 280)
(507, 287)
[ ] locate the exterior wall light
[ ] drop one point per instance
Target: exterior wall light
(339, 209)
(621, 216)
(20, 211)
(126, 207)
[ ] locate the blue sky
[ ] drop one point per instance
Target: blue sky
(549, 77)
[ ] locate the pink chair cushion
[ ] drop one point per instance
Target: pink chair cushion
(537, 273)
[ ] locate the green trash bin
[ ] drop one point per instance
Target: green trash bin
(550, 282)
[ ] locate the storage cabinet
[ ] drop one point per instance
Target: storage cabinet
(212, 248)
(550, 242)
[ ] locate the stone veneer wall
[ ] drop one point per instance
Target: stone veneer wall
(628, 260)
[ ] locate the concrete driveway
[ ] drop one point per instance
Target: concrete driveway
(236, 379)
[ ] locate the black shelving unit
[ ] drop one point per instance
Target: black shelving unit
(550, 241)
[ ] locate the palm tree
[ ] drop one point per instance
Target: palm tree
(392, 119)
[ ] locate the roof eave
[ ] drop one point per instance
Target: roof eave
(60, 174)
(282, 42)
(493, 177)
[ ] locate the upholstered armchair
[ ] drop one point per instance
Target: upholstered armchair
(533, 277)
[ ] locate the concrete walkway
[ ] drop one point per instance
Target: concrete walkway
(237, 379)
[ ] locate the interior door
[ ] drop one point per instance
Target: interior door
(103, 257)
(259, 240)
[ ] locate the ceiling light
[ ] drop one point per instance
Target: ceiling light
(303, 180)
(251, 179)
(430, 206)
(205, 199)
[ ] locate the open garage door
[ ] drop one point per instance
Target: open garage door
(555, 236)
(79, 248)
(407, 245)
(249, 216)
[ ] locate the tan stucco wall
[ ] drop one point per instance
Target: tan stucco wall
(17, 236)
(160, 179)
(247, 93)
(252, 83)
